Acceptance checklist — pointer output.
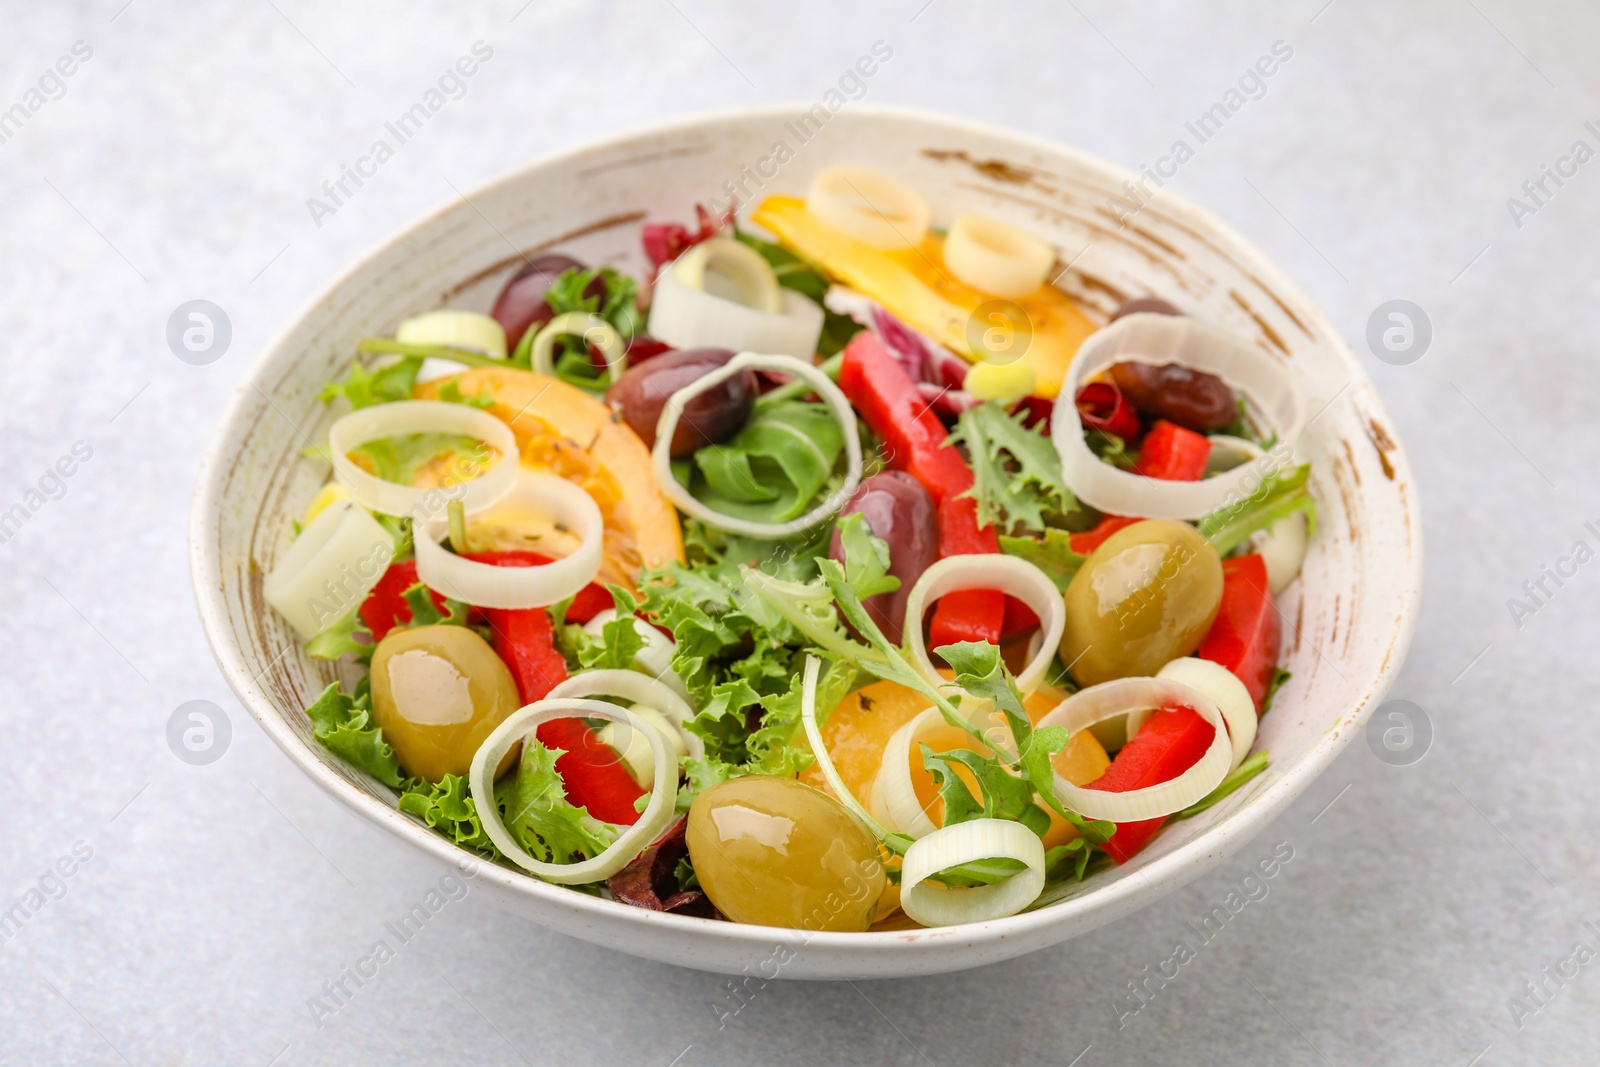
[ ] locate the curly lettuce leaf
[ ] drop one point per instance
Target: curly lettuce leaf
(401, 457)
(537, 813)
(381, 385)
(1016, 472)
(447, 806)
(343, 725)
(344, 637)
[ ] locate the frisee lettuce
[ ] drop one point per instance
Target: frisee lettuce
(538, 814)
(1016, 472)
(343, 725)
(447, 806)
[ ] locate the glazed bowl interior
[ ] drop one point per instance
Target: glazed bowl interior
(1347, 622)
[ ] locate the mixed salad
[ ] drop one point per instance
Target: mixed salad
(839, 573)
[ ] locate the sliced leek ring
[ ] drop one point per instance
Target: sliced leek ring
(970, 842)
(869, 206)
(731, 270)
(894, 797)
(672, 411)
(455, 329)
(686, 317)
(593, 329)
(996, 257)
(641, 689)
(656, 817)
(1223, 687)
(1009, 574)
(423, 416)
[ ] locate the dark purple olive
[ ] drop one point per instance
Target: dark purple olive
(715, 415)
(1148, 305)
(521, 304)
(1193, 399)
(897, 509)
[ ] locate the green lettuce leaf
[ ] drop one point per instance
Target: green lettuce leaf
(866, 558)
(1282, 493)
(771, 469)
(399, 458)
(344, 727)
(447, 807)
(539, 816)
(363, 387)
(343, 638)
(1016, 471)
(1051, 553)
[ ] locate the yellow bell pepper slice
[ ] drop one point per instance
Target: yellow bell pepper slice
(914, 286)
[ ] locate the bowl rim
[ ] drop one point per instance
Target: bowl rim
(1077, 914)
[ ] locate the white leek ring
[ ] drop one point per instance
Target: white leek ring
(330, 568)
(485, 585)
(593, 329)
(672, 411)
(450, 328)
(686, 317)
(894, 797)
(1162, 339)
(654, 659)
(1124, 696)
(732, 270)
(641, 689)
(422, 416)
(969, 842)
(996, 257)
(1225, 690)
(630, 842)
(1009, 574)
(869, 206)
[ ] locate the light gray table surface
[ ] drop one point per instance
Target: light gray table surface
(175, 163)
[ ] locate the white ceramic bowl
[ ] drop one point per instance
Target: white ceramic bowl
(1347, 622)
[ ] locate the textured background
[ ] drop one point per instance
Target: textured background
(1377, 166)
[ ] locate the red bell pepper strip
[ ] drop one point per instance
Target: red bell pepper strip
(1170, 742)
(1173, 453)
(590, 601)
(1245, 636)
(1101, 406)
(1086, 542)
(591, 772)
(386, 607)
(969, 614)
(895, 409)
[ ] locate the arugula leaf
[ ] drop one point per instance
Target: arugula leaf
(772, 468)
(866, 558)
(1281, 494)
(1052, 554)
(1078, 852)
(795, 273)
(343, 638)
(539, 815)
(364, 388)
(1016, 471)
(447, 807)
(1004, 796)
(1241, 774)
(344, 727)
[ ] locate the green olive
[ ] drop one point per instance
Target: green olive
(437, 692)
(774, 852)
(1145, 597)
